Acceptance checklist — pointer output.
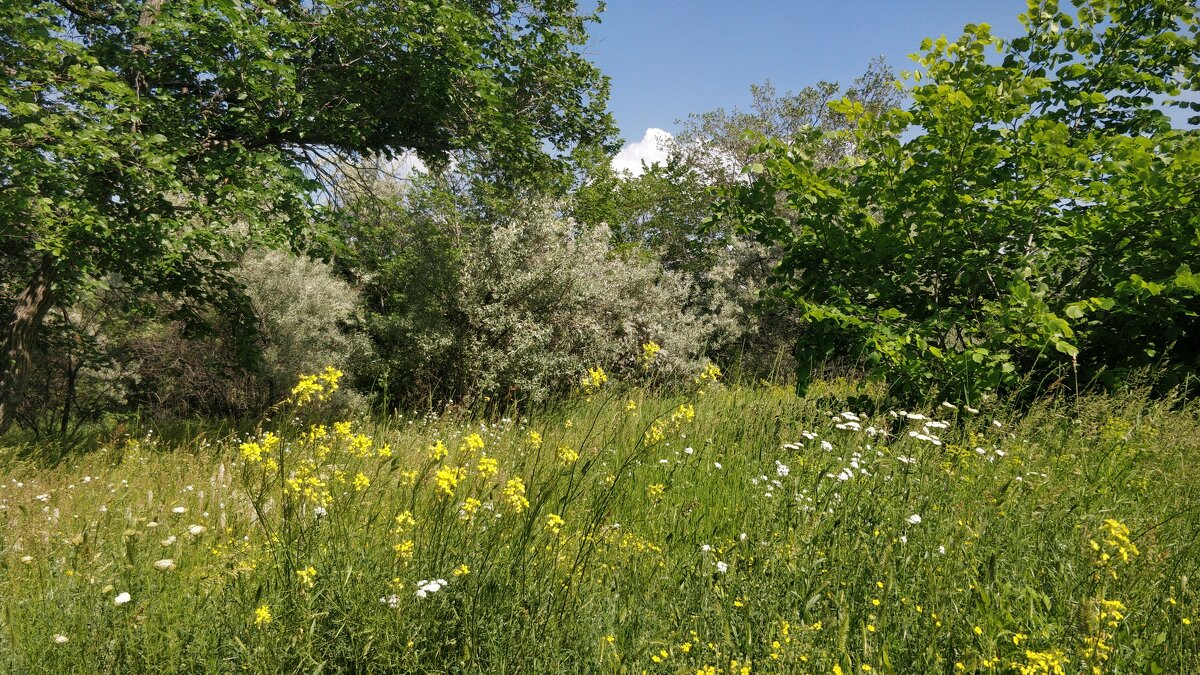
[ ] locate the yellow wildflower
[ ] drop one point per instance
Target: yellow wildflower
(488, 466)
(461, 570)
(361, 482)
(514, 494)
(448, 478)
(307, 576)
(567, 455)
(535, 439)
(437, 451)
(262, 616)
(404, 549)
(474, 442)
(554, 523)
(649, 351)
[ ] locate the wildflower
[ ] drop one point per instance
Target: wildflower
(781, 469)
(164, 565)
(404, 549)
(178, 510)
(554, 523)
(169, 540)
(437, 451)
(705, 548)
(307, 577)
(424, 588)
(196, 530)
(60, 639)
(914, 519)
(361, 482)
(649, 351)
(595, 379)
(252, 452)
(826, 446)
(121, 599)
(461, 570)
(469, 508)
(948, 405)
(474, 443)
(514, 494)
(978, 630)
(392, 601)
(535, 439)
(655, 491)
(448, 478)
(631, 406)
(488, 466)
(262, 615)
(722, 566)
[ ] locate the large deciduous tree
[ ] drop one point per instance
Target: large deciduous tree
(1030, 218)
(144, 141)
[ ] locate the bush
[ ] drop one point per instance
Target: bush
(514, 312)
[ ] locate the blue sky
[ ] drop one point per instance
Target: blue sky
(668, 58)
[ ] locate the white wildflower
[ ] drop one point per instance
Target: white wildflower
(914, 519)
(121, 599)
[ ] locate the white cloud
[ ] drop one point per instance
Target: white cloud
(651, 149)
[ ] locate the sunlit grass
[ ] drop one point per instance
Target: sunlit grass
(728, 529)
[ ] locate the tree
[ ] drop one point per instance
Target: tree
(666, 209)
(145, 142)
(1026, 220)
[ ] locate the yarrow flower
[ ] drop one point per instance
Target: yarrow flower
(914, 519)
(164, 565)
(121, 599)
(424, 588)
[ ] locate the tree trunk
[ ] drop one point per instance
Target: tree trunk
(16, 342)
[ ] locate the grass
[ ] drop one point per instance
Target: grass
(729, 530)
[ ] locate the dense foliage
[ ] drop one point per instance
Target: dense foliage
(144, 143)
(1028, 220)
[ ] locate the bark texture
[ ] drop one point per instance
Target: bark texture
(17, 340)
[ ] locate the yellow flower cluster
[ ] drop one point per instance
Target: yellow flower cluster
(448, 478)
(514, 494)
(650, 350)
(711, 373)
(594, 380)
(658, 430)
(320, 387)
(488, 466)
(567, 455)
(306, 577)
(253, 452)
(473, 443)
(438, 451)
(262, 616)
(554, 523)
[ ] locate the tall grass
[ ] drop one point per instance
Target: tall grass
(728, 530)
